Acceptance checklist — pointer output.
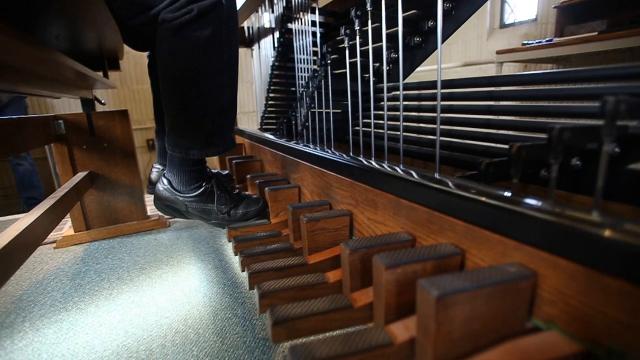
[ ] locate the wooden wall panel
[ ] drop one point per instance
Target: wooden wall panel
(581, 301)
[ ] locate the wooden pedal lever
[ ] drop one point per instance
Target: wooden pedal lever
(252, 178)
(229, 159)
(279, 198)
(321, 232)
(355, 273)
(396, 339)
(262, 184)
(543, 345)
(459, 314)
(355, 306)
(241, 168)
(292, 246)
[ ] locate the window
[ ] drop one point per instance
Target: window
(515, 12)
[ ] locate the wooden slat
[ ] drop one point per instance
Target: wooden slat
(583, 302)
(22, 238)
(107, 232)
(117, 196)
(31, 69)
(27, 133)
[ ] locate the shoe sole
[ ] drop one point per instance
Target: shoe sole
(172, 211)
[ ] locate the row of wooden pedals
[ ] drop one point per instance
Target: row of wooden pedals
(312, 276)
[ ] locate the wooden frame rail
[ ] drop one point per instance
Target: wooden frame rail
(24, 236)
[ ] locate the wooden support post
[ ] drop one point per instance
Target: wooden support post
(404, 262)
(116, 196)
(252, 188)
(293, 247)
(318, 261)
(461, 313)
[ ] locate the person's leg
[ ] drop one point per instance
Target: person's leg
(27, 180)
(158, 168)
(158, 112)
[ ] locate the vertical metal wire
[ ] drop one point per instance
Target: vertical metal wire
(384, 78)
(373, 145)
(309, 38)
(347, 60)
(359, 70)
(401, 79)
(439, 83)
(328, 55)
(296, 57)
(321, 73)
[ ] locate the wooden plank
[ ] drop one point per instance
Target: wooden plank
(279, 198)
(32, 69)
(117, 196)
(324, 230)
(107, 232)
(544, 345)
(583, 302)
(464, 312)
(24, 236)
(27, 133)
(241, 168)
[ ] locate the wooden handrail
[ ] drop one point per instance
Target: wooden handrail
(24, 236)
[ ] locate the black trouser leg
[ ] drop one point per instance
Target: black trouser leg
(158, 112)
(195, 45)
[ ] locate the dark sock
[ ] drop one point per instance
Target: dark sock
(186, 175)
(161, 153)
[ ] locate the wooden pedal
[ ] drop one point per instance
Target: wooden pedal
(240, 168)
(459, 314)
(230, 159)
(320, 248)
(292, 247)
(278, 201)
(262, 184)
(405, 267)
(544, 345)
(248, 241)
(355, 261)
(252, 178)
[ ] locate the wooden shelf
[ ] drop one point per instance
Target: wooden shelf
(569, 47)
(31, 69)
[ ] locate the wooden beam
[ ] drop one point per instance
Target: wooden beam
(22, 238)
(32, 69)
(27, 133)
(107, 232)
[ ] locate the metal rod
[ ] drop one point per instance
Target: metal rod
(373, 146)
(321, 73)
(347, 60)
(312, 81)
(359, 69)
(328, 55)
(440, 19)
(384, 78)
(52, 166)
(296, 58)
(401, 79)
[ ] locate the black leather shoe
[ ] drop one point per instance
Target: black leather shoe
(214, 202)
(155, 174)
(157, 171)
